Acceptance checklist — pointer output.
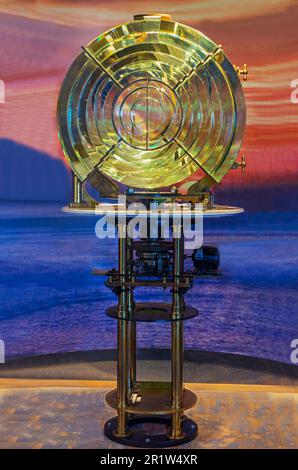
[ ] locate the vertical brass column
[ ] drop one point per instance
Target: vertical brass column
(177, 332)
(77, 189)
(122, 336)
(131, 324)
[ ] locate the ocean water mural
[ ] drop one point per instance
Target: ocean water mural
(51, 302)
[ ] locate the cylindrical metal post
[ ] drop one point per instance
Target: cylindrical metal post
(177, 333)
(122, 359)
(132, 354)
(178, 248)
(131, 324)
(177, 376)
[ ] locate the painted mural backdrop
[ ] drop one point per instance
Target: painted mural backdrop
(39, 40)
(49, 301)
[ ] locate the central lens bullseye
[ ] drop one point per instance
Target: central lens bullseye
(147, 114)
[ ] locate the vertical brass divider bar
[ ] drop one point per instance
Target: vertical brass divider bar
(177, 333)
(132, 325)
(101, 66)
(77, 189)
(122, 336)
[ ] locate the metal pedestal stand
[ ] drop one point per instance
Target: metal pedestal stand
(141, 406)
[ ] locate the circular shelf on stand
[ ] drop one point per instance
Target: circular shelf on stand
(153, 312)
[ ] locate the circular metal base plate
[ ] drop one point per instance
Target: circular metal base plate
(148, 312)
(215, 211)
(140, 438)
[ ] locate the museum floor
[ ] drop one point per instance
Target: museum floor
(38, 410)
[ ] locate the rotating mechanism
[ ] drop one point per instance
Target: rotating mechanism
(151, 104)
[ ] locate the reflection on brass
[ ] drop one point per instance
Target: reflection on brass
(151, 103)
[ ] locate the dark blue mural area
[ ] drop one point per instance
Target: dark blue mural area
(50, 301)
(29, 175)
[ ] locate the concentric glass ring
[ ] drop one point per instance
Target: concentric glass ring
(150, 104)
(147, 114)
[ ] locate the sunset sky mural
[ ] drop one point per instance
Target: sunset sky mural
(40, 39)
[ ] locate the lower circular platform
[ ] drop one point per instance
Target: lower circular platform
(155, 399)
(138, 435)
(152, 312)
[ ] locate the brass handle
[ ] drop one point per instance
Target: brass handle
(242, 71)
(152, 16)
(241, 164)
